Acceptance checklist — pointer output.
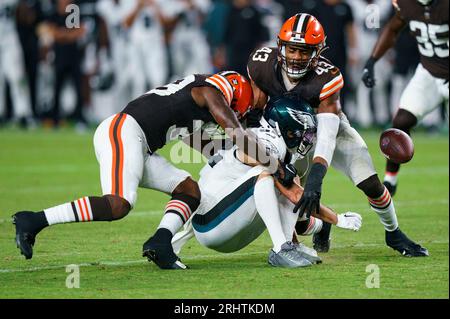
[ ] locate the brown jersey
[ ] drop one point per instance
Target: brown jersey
(429, 25)
(173, 105)
(315, 86)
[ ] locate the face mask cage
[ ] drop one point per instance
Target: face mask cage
(296, 69)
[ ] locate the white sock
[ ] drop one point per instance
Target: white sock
(384, 207)
(176, 214)
(315, 226)
(288, 218)
(391, 178)
(60, 214)
(79, 210)
(266, 202)
(172, 222)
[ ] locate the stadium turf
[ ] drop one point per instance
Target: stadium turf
(43, 168)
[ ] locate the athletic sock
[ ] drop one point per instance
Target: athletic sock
(309, 227)
(391, 177)
(85, 209)
(267, 206)
(178, 211)
(384, 207)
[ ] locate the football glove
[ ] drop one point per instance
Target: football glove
(310, 200)
(369, 73)
(349, 220)
(286, 174)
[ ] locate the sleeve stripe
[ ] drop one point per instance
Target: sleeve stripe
(332, 90)
(223, 86)
(332, 82)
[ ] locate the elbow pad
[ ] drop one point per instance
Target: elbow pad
(327, 130)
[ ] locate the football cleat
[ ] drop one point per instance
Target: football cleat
(162, 254)
(398, 241)
(308, 253)
(288, 257)
(321, 240)
(25, 237)
(392, 188)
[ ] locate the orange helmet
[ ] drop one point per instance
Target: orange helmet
(236, 89)
(302, 31)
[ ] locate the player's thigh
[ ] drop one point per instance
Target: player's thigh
(229, 222)
(351, 155)
(422, 94)
(161, 175)
(120, 148)
(229, 226)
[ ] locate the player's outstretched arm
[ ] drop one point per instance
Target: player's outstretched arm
(227, 119)
(348, 220)
(386, 41)
(327, 130)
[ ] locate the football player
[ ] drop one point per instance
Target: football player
(428, 88)
(241, 199)
(125, 146)
(12, 68)
(297, 67)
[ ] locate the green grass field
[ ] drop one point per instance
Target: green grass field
(42, 169)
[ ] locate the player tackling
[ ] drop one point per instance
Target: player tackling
(241, 199)
(297, 67)
(125, 146)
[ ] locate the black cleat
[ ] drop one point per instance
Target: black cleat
(321, 240)
(390, 187)
(398, 241)
(25, 237)
(161, 253)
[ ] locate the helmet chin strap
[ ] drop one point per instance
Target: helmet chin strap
(425, 2)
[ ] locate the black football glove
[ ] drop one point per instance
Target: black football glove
(286, 174)
(310, 200)
(369, 74)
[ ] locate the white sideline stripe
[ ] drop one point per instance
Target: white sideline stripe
(215, 256)
(359, 204)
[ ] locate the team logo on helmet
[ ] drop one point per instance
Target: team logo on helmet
(303, 118)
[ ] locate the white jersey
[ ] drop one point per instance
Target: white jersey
(7, 17)
(225, 169)
(147, 23)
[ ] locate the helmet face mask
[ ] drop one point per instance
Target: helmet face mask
(301, 40)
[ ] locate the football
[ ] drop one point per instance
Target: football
(396, 146)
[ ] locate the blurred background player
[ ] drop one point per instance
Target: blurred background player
(428, 22)
(148, 64)
(188, 46)
(12, 67)
(114, 13)
(371, 106)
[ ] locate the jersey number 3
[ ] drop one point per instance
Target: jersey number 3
(172, 88)
(431, 38)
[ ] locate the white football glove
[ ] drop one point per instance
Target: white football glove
(349, 220)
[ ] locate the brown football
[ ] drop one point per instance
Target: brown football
(396, 146)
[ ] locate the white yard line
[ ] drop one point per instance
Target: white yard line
(214, 256)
